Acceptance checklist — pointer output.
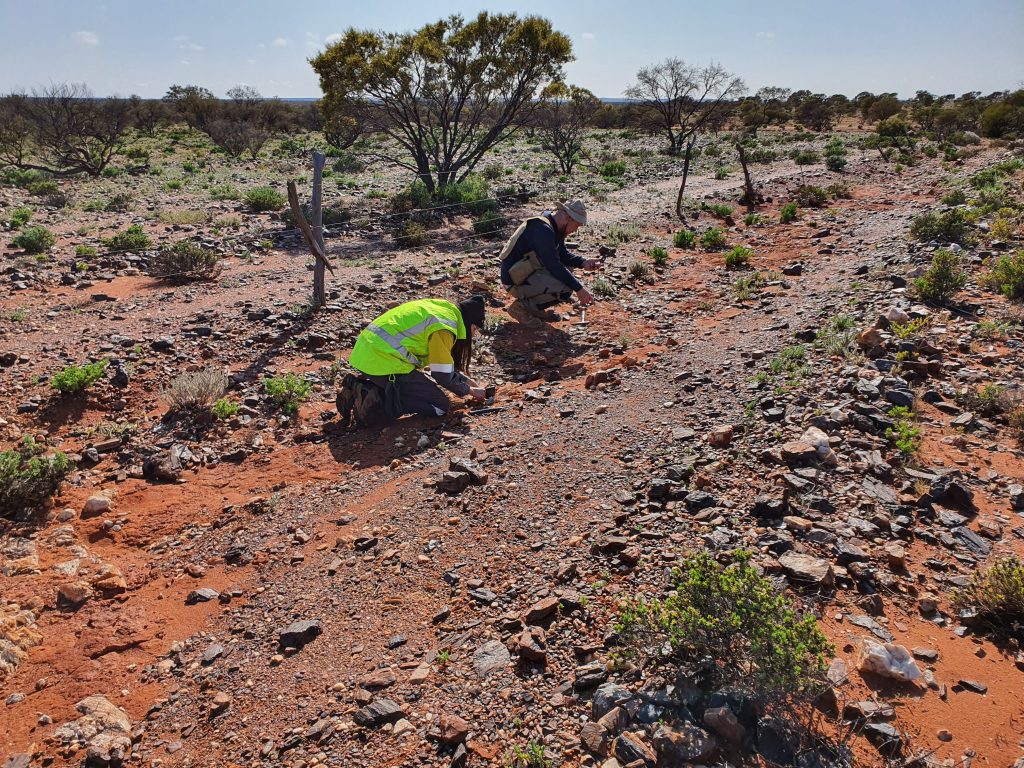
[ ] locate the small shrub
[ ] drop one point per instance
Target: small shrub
(788, 213)
(225, 192)
(132, 239)
(1007, 275)
(903, 434)
(28, 479)
(991, 330)
(1016, 421)
(286, 392)
(736, 618)
(617, 234)
(713, 239)
(806, 157)
(955, 197)
(738, 257)
(489, 223)
(684, 238)
(989, 401)
(262, 199)
(761, 155)
(184, 261)
(944, 227)
(943, 279)
(839, 190)
(196, 391)
(659, 256)
(411, 234)
(719, 209)
(74, 378)
(792, 362)
(173, 185)
(348, 162)
(837, 336)
(493, 172)
(472, 193)
(613, 169)
(906, 330)
(533, 755)
(639, 270)
(20, 217)
(118, 203)
(85, 251)
(183, 218)
(416, 195)
(601, 287)
(755, 220)
(42, 188)
(809, 196)
(835, 163)
(34, 240)
(997, 594)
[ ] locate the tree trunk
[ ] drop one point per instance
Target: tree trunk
(316, 212)
(750, 197)
(686, 172)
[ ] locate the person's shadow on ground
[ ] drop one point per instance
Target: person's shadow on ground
(525, 352)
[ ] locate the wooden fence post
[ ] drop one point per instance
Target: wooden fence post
(316, 211)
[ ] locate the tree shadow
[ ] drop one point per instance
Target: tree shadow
(527, 352)
(61, 410)
(300, 325)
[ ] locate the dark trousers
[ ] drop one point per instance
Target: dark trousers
(418, 393)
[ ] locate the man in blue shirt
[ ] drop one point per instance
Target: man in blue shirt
(535, 264)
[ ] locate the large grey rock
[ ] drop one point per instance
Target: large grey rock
(490, 657)
(607, 697)
(377, 713)
(808, 570)
(685, 744)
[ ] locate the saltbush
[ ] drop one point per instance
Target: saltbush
(184, 261)
(944, 278)
(196, 391)
(787, 214)
(727, 627)
(34, 240)
(75, 378)
(738, 257)
(613, 169)
(489, 223)
(810, 196)
(411, 234)
(20, 217)
(806, 157)
(286, 392)
(942, 226)
(658, 255)
(28, 479)
(713, 239)
(1007, 275)
(997, 596)
(262, 199)
(132, 239)
(684, 238)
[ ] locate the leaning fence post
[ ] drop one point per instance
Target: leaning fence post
(316, 213)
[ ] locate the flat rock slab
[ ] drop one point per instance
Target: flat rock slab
(377, 713)
(807, 569)
(299, 633)
(490, 657)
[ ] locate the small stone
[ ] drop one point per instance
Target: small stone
(450, 729)
(95, 505)
(720, 436)
(807, 569)
(490, 657)
(377, 713)
(974, 686)
(299, 633)
(203, 595)
(944, 735)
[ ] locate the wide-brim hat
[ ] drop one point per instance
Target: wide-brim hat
(575, 210)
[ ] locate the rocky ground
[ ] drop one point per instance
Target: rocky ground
(273, 590)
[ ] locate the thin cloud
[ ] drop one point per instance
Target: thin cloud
(766, 34)
(332, 39)
(185, 44)
(588, 36)
(85, 37)
(279, 42)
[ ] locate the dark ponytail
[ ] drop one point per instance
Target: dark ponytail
(462, 352)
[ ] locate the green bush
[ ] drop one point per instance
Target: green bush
(659, 256)
(493, 172)
(85, 251)
(761, 155)
(411, 234)
(20, 217)
(639, 270)
(489, 223)
(173, 185)
(713, 239)
(262, 199)
(944, 278)
(472, 193)
(837, 336)
(839, 190)
(684, 238)
(755, 220)
(286, 392)
(738, 257)
(719, 209)
(132, 239)
(185, 261)
(533, 755)
(1007, 275)
(943, 226)
(835, 162)
(118, 203)
(28, 479)
(617, 234)
(416, 195)
(787, 214)
(34, 240)
(224, 409)
(955, 197)
(613, 169)
(809, 196)
(42, 187)
(225, 192)
(75, 378)
(997, 594)
(903, 434)
(727, 627)
(348, 162)
(806, 157)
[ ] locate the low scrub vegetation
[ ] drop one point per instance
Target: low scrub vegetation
(196, 391)
(76, 378)
(1007, 275)
(943, 280)
(738, 257)
(942, 226)
(997, 597)
(810, 196)
(264, 199)
(287, 392)
(28, 478)
(684, 238)
(713, 239)
(617, 234)
(837, 336)
(788, 213)
(34, 240)
(132, 239)
(904, 434)
(185, 261)
(727, 626)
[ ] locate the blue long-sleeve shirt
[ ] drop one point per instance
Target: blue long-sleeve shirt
(550, 250)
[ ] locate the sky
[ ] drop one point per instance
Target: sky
(142, 47)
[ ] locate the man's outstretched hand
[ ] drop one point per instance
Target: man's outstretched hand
(584, 297)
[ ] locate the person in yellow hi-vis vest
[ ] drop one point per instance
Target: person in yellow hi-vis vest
(392, 352)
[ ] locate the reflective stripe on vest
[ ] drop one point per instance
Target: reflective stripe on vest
(394, 340)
